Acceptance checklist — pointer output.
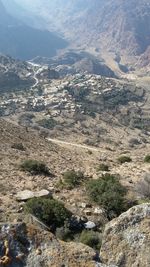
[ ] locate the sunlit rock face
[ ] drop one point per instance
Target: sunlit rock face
(126, 239)
(28, 245)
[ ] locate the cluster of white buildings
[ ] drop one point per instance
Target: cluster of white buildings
(57, 95)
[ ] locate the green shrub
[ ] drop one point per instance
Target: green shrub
(147, 159)
(72, 179)
(143, 201)
(34, 167)
(60, 184)
(108, 193)
(103, 167)
(89, 152)
(91, 239)
(123, 159)
(47, 123)
(64, 233)
(48, 210)
(18, 146)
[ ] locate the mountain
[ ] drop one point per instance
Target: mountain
(72, 62)
(24, 42)
(117, 28)
(26, 16)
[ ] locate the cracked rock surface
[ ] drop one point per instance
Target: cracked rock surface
(126, 240)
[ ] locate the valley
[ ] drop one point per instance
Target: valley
(82, 107)
(74, 133)
(106, 29)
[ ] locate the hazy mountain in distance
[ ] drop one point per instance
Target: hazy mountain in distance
(22, 13)
(25, 42)
(5, 18)
(119, 27)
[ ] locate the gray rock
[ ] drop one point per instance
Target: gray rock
(27, 194)
(126, 239)
(90, 225)
(31, 246)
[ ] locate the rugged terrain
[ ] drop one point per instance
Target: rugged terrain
(131, 232)
(75, 135)
(29, 245)
(81, 108)
(115, 31)
(76, 122)
(73, 62)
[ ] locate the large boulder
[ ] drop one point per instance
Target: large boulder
(29, 246)
(126, 240)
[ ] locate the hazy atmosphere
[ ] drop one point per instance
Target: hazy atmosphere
(74, 133)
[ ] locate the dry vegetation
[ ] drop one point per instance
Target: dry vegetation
(58, 159)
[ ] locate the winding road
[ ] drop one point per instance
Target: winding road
(36, 73)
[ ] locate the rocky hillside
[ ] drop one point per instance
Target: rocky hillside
(73, 62)
(28, 245)
(25, 241)
(121, 25)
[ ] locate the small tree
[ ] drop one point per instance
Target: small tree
(52, 212)
(123, 159)
(147, 159)
(34, 167)
(108, 193)
(72, 179)
(64, 233)
(91, 239)
(18, 146)
(103, 167)
(47, 123)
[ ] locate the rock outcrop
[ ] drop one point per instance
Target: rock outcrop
(126, 240)
(27, 245)
(126, 243)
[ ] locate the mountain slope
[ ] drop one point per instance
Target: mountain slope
(24, 42)
(119, 27)
(25, 237)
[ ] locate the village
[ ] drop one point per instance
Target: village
(56, 95)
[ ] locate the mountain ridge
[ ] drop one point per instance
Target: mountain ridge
(113, 27)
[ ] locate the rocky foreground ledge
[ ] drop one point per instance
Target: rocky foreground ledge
(126, 240)
(27, 245)
(126, 243)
